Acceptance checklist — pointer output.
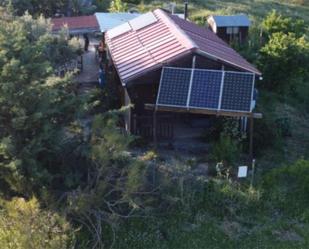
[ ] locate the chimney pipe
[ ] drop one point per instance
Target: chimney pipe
(186, 9)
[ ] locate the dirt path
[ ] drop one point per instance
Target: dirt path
(88, 78)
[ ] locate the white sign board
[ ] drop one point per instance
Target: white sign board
(242, 171)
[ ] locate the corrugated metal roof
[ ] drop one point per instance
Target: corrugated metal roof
(111, 20)
(76, 24)
(210, 44)
(137, 52)
(240, 20)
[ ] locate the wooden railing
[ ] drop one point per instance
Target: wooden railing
(143, 126)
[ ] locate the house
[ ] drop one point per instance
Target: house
(234, 28)
(166, 64)
(172, 70)
(76, 25)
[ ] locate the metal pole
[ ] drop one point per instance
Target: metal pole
(155, 127)
(186, 9)
(252, 174)
(251, 138)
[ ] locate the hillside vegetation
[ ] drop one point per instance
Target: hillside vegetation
(65, 184)
(257, 9)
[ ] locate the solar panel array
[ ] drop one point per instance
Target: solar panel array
(136, 23)
(206, 89)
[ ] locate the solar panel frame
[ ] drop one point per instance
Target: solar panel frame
(159, 95)
(119, 30)
(190, 83)
(250, 93)
(143, 21)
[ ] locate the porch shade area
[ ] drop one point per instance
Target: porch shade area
(213, 90)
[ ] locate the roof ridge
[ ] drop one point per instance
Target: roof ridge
(175, 28)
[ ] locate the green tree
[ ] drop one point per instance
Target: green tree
(116, 187)
(36, 107)
(118, 6)
(23, 224)
(284, 56)
(48, 8)
(284, 61)
(275, 23)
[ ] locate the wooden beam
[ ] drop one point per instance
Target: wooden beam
(127, 102)
(203, 111)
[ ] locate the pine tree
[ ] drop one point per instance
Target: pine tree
(35, 106)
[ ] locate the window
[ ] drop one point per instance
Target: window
(232, 30)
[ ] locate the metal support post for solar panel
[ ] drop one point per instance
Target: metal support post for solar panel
(221, 88)
(251, 138)
(251, 122)
(191, 81)
(154, 127)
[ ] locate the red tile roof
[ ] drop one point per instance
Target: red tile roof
(137, 52)
(75, 23)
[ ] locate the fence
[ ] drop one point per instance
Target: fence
(143, 126)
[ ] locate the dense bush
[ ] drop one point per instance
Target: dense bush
(23, 225)
(276, 23)
(225, 150)
(224, 198)
(287, 189)
(288, 57)
(285, 54)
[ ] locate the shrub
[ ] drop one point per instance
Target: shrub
(287, 188)
(226, 150)
(275, 23)
(24, 225)
(225, 198)
(282, 58)
(285, 54)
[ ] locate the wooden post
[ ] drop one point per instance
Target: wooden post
(251, 138)
(127, 102)
(154, 126)
(253, 172)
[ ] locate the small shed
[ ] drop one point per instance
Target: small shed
(174, 72)
(234, 28)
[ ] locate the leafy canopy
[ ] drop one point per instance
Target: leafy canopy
(35, 106)
(23, 224)
(285, 55)
(118, 6)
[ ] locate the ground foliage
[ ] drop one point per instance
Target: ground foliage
(95, 193)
